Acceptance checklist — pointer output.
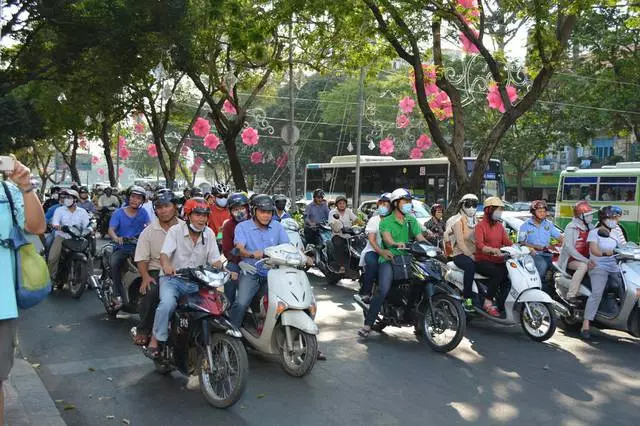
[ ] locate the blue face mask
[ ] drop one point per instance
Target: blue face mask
(383, 210)
(406, 209)
(240, 216)
(221, 202)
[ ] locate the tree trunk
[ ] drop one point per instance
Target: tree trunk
(105, 135)
(519, 188)
(71, 160)
(234, 162)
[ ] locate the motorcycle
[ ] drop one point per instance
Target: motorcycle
(524, 302)
(281, 321)
(619, 308)
(293, 232)
(104, 216)
(424, 301)
(76, 261)
(202, 340)
(131, 281)
(325, 258)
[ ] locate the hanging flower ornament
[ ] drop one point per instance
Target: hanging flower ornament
(386, 146)
(250, 136)
(152, 150)
(124, 153)
(423, 142)
(201, 127)
(406, 105)
(139, 128)
(467, 45)
(95, 159)
(256, 157)
(184, 150)
(282, 160)
(495, 100)
(211, 141)
(228, 108)
(122, 142)
(402, 121)
(101, 171)
(415, 153)
(196, 165)
(120, 171)
(430, 76)
(440, 104)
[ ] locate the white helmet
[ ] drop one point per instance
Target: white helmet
(400, 194)
(469, 197)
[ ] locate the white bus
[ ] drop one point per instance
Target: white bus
(430, 179)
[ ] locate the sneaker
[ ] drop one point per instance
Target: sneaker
(468, 304)
(193, 383)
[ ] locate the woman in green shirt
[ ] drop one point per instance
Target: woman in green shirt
(397, 230)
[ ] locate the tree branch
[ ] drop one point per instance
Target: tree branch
(384, 29)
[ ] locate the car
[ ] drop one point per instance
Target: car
(420, 210)
(521, 206)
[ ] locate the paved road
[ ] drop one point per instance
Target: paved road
(495, 376)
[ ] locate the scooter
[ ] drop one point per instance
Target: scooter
(281, 322)
(525, 302)
(202, 340)
(619, 308)
(326, 260)
(293, 232)
(76, 261)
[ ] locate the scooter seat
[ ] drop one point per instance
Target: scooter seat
(453, 267)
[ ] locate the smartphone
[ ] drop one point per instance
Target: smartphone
(7, 163)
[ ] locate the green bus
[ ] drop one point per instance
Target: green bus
(611, 185)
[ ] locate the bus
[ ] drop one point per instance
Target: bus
(430, 179)
(611, 185)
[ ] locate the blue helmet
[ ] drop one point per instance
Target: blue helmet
(237, 199)
(616, 210)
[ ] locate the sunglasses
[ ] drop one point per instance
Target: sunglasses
(470, 203)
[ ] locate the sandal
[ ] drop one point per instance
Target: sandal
(153, 353)
(142, 339)
(364, 332)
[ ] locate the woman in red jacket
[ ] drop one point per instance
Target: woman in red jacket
(490, 237)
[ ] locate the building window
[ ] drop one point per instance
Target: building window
(602, 148)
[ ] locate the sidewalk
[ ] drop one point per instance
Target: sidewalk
(27, 402)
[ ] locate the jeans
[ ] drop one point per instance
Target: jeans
(467, 264)
(118, 259)
(148, 304)
(370, 272)
(385, 279)
(599, 278)
(543, 263)
(248, 287)
(340, 250)
(171, 289)
(231, 287)
(497, 274)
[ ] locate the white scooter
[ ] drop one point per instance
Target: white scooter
(525, 303)
(293, 232)
(281, 322)
(619, 308)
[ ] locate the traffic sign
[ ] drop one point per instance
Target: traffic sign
(289, 136)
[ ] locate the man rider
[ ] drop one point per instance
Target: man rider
(69, 214)
(315, 213)
(339, 218)
(53, 198)
(397, 230)
(85, 202)
(147, 258)
(239, 209)
(187, 245)
(280, 202)
(219, 212)
(108, 199)
(126, 222)
(536, 233)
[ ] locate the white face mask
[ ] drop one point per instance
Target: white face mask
(610, 223)
(469, 211)
(68, 202)
(195, 229)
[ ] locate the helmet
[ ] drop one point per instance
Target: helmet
(581, 208)
(71, 192)
(400, 194)
(341, 198)
(196, 192)
(262, 202)
(435, 208)
(197, 205)
(54, 189)
(318, 193)
(220, 189)
(138, 190)
(617, 211)
(493, 202)
(280, 201)
(468, 200)
(83, 189)
(538, 204)
(385, 197)
(237, 199)
(108, 190)
(164, 196)
(605, 212)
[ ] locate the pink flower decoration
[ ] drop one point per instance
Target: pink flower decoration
(430, 76)
(440, 104)
(250, 136)
(139, 128)
(402, 121)
(124, 153)
(406, 105)
(83, 143)
(423, 142)
(495, 100)
(184, 150)
(415, 153)
(282, 160)
(120, 171)
(211, 141)
(229, 108)
(386, 146)
(152, 150)
(431, 89)
(256, 157)
(122, 142)
(467, 4)
(201, 127)
(101, 171)
(196, 165)
(95, 159)
(467, 45)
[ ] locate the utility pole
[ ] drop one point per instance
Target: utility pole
(117, 170)
(292, 118)
(356, 189)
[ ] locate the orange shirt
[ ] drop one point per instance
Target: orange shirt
(217, 217)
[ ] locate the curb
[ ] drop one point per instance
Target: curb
(28, 401)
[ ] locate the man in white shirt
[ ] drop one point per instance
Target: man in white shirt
(107, 199)
(68, 214)
(187, 245)
(340, 217)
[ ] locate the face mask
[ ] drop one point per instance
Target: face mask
(383, 210)
(588, 218)
(469, 211)
(240, 216)
(610, 223)
(497, 215)
(54, 196)
(221, 202)
(406, 209)
(194, 229)
(68, 202)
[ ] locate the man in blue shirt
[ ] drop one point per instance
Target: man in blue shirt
(281, 205)
(126, 222)
(251, 238)
(536, 233)
(316, 213)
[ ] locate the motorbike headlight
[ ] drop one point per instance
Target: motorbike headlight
(529, 264)
(432, 253)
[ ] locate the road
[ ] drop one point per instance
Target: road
(496, 376)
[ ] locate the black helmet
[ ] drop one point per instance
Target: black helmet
(318, 193)
(162, 197)
(341, 198)
(108, 190)
(280, 201)
(605, 212)
(196, 192)
(262, 202)
(83, 189)
(237, 199)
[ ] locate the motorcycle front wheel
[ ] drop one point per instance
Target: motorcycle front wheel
(541, 323)
(223, 383)
(301, 360)
(77, 279)
(443, 328)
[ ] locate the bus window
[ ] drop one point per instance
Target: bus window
(575, 188)
(617, 188)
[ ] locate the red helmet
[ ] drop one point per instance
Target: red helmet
(198, 205)
(538, 204)
(581, 208)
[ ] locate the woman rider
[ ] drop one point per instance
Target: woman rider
(464, 245)
(397, 230)
(435, 226)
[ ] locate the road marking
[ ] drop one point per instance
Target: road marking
(77, 367)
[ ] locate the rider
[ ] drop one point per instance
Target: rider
(219, 212)
(69, 214)
(464, 244)
(601, 247)
(280, 202)
(53, 198)
(126, 222)
(85, 202)
(108, 199)
(575, 249)
(339, 218)
(435, 226)
(616, 231)
(147, 258)
(490, 236)
(186, 245)
(373, 250)
(537, 233)
(396, 229)
(251, 238)
(238, 205)
(315, 213)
